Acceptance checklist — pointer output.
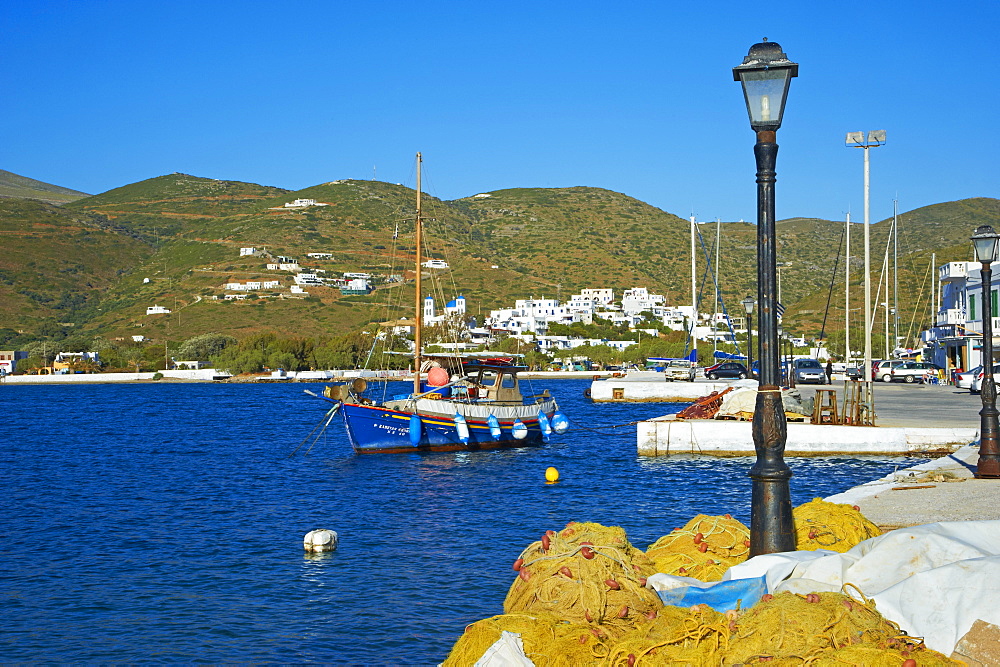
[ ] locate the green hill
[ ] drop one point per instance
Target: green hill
(56, 263)
(175, 241)
(22, 187)
(175, 204)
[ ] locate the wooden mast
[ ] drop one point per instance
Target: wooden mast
(419, 301)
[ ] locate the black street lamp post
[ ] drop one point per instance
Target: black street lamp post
(985, 242)
(765, 75)
(748, 307)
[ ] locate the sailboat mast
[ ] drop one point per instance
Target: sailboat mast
(895, 272)
(694, 295)
(718, 296)
(419, 306)
(847, 292)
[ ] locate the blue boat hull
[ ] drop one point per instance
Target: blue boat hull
(374, 429)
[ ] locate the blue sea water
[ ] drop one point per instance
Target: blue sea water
(164, 522)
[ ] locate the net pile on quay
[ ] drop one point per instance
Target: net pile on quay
(581, 597)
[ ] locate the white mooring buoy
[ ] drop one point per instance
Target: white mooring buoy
(320, 540)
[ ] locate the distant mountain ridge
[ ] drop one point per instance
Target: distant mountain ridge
(22, 187)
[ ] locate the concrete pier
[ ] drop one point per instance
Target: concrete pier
(666, 436)
(911, 419)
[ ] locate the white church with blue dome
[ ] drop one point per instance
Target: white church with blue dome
(454, 307)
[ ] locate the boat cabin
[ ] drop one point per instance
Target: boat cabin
(497, 384)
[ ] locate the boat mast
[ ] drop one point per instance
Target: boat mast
(419, 307)
(694, 295)
(895, 273)
(847, 292)
(718, 296)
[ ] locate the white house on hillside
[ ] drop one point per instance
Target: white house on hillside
(157, 310)
(307, 279)
(531, 316)
(436, 264)
(638, 299)
(602, 295)
(303, 203)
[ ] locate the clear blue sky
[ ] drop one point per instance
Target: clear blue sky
(636, 97)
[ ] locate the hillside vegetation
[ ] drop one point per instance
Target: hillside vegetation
(56, 263)
(175, 241)
(22, 187)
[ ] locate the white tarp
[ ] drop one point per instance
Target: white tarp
(743, 400)
(934, 580)
(508, 651)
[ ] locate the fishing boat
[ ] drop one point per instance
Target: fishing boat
(461, 402)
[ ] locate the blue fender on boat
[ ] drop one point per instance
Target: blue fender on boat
(560, 423)
(494, 425)
(461, 427)
(519, 430)
(543, 423)
(416, 430)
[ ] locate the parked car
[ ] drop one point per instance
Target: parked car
(680, 369)
(727, 369)
(853, 372)
(977, 382)
(883, 370)
(913, 371)
(806, 371)
(964, 379)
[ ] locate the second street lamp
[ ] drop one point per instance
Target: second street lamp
(748, 307)
(985, 242)
(765, 75)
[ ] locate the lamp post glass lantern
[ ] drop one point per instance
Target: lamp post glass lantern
(985, 242)
(765, 75)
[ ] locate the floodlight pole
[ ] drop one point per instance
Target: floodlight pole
(871, 140)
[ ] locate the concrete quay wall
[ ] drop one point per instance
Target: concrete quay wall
(666, 436)
(202, 375)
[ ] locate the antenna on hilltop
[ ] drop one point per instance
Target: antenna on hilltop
(374, 171)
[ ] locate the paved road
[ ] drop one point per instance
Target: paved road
(900, 404)
(901, 500)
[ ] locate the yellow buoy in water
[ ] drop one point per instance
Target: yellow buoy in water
(551, 475)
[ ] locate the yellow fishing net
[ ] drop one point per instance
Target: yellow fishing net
(823, 525)
(580, 598)
(586, 573)
(704, 548)
(822, 628)
(677, 636)
(547, 640)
